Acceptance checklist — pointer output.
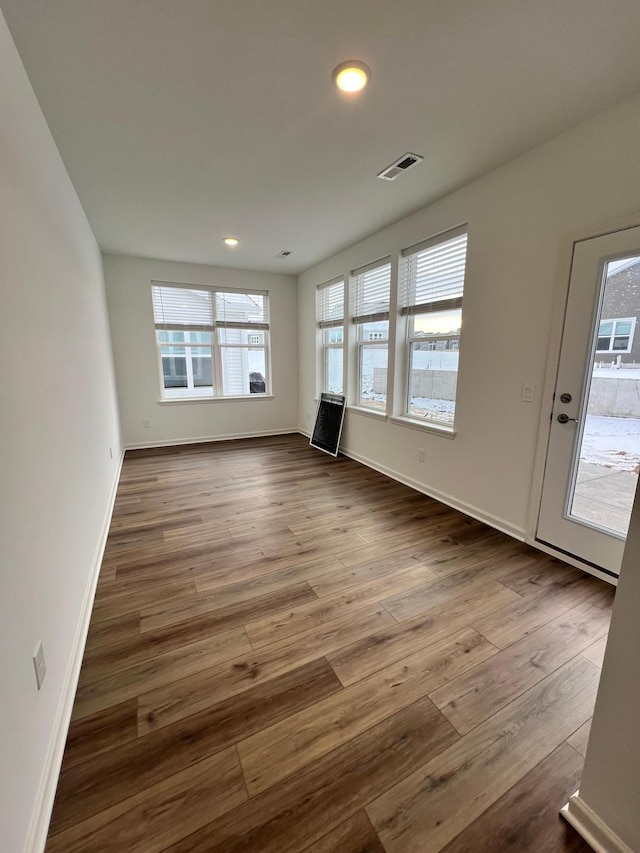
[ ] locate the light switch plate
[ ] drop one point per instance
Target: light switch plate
(528, 393)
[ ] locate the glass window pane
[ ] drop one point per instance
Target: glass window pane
(333, 336)
(198, 337)
(373, 376)
(620, 343)
(623, 327)
(436, 323)
(174, 371)
(239, 337)
(243, 371)
(202, 373)
(433, 376)
(374, 331)
(603, 344)
(333, 370)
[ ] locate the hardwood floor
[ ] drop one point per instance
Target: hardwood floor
(290, 652)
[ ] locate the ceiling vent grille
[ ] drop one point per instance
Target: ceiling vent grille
(284, 253)
(401, 165)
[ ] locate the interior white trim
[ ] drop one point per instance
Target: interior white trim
(563, 275)
(426, 426)
(250, 398)
(41, 815)
(170, 442)
(594, 831)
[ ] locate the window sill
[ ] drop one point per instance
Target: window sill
(181, 400)
(425, 426)
(369, 413)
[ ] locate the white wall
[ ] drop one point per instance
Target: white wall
(610, 786)
(58, 419)
(518, 217)
(131, 317)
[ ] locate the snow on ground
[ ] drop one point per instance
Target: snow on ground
(616, 372)
(441, 410)
(612, 442)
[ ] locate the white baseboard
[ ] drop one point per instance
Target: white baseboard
(594, 831)
(41, 816)
(518, 533)
(171, 442)
(468, 509)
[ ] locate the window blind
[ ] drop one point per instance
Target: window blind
(433, 274)
(371, 293)
(330, 304)
(178, 308)
(241, 310)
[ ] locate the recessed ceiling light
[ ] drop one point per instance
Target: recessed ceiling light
(351, 76)
(231, 241)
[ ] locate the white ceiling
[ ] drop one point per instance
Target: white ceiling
(183, 121)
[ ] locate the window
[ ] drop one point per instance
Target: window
(616, 335)
(330, 318)
(211, 343)
(370, 313)
(431, 299)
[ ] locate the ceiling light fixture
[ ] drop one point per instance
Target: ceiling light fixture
(231, 241)
(351, 76)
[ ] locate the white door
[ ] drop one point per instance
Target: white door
(594, 446)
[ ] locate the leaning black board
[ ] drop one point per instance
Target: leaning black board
(326, 433)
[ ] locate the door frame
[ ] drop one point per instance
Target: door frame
(563, 278)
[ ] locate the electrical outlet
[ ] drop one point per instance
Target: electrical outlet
(528, 393)
(146, 423)
(307, 417)
(40, 666)
(421, 455)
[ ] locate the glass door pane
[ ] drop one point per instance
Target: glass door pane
(606, 467)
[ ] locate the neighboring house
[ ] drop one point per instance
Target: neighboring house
(618, 333)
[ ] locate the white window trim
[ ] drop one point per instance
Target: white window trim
(322, 324)
(358, 321)
(408, 311)
(216, 347)
(180, 401)
(434, 427)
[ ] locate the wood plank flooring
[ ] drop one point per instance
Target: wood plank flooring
(290, 652)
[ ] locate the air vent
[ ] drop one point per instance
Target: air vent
(401, 165)
(284, 253)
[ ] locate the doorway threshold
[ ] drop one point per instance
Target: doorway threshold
(586, 566)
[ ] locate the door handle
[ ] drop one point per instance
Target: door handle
(564, 419)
